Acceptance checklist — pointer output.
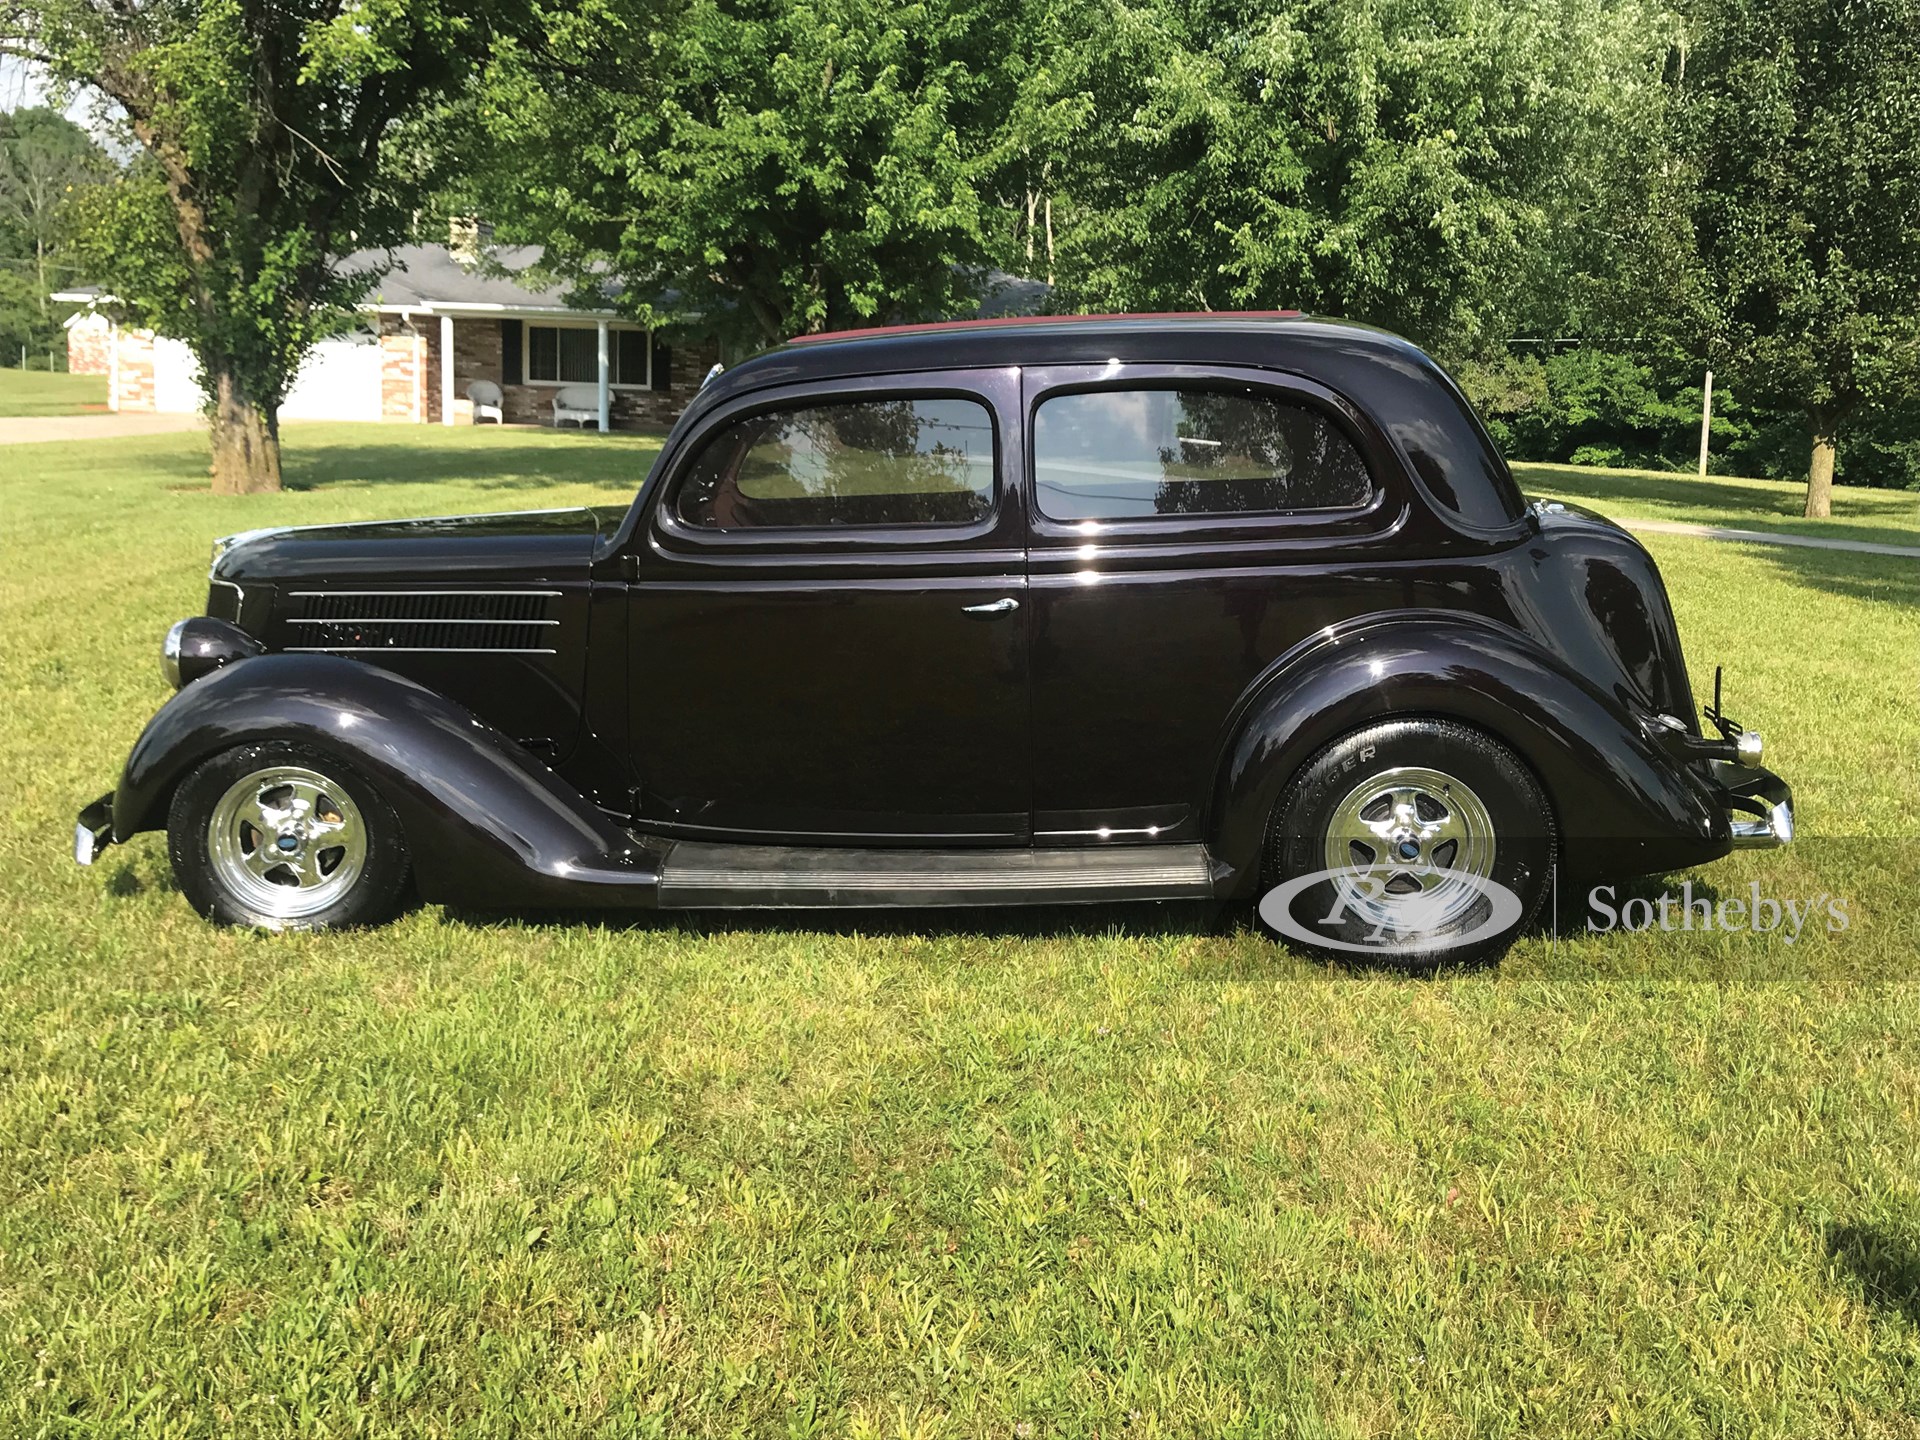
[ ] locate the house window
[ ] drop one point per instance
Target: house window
(570, 355)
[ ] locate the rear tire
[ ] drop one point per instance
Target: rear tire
(1431, 844)
(282, 836)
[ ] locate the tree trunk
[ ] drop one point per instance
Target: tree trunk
(246, 442)
(1820, 472)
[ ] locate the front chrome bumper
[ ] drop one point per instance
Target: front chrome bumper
(93, 831)
(1759, 804)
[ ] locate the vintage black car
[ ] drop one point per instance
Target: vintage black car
(1114, 608)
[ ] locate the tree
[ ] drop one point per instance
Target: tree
(44, 159)
(1801, 122)
(1429, 165)
(775, 169)
(273, 136)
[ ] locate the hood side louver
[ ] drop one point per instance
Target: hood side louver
(519, 622)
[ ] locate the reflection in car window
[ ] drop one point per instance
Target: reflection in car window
(1113, 454)
(875, 462)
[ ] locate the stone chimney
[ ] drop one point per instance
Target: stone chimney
(469, 238)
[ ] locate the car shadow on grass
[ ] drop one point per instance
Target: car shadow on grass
(1234, 946)
(1884, 1264)
(1137, 919)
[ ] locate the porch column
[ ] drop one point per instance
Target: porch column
(606, 384)
(446, 369)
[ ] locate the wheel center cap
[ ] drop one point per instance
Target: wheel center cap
(288, 843)
(1409, 850)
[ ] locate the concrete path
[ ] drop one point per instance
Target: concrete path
(1768, 537)
(27, 429)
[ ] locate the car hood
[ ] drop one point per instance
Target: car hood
(520, 546)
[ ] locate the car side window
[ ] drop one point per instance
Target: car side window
(888, 462)
(1120, 454)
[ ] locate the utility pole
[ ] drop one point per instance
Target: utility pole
(1706, 420)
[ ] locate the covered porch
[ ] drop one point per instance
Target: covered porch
(463, 365)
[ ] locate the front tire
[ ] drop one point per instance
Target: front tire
(280, 836)
(1428, 842)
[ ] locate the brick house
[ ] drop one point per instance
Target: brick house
(434, 326)
(89, 338)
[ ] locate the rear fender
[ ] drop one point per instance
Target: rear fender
(1621, 803)
(487, 824)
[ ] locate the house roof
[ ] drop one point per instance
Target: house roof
(429, 277)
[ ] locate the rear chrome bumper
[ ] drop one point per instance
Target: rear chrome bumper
(93, 831)
(1759, 804)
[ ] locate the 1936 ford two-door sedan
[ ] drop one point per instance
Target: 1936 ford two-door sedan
(1110, 608)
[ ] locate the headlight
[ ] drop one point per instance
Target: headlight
(201, 645)
(170, 653)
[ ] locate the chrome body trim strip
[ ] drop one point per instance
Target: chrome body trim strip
(405, 620)
(424, 590)
(411, 650)
(1102, 832)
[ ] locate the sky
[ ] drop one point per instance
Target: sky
(23, 85)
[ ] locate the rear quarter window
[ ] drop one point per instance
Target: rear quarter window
(1127, 454)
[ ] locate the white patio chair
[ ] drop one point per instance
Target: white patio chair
(487, 402)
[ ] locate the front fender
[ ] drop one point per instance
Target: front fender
(487, 823)
(1621, 803)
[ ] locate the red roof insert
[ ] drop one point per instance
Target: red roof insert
(934, 327)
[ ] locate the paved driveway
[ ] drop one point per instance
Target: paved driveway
(25, 429)
(1772, 537)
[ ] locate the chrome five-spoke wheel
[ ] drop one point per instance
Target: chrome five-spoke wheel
(1410, 839)
(1409, 842)
(285, 836)
(288, 840)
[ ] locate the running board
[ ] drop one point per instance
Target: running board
(696, 873)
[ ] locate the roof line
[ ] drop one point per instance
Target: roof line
(488, 307)
(934, 327)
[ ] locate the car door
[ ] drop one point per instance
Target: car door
(1188, 526)
(827, 623)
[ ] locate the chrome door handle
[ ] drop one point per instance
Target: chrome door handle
(1005, 605)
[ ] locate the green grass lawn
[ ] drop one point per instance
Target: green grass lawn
(1124, 1172)
(1887, 516)
(40, 392)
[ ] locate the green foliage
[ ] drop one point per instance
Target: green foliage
(1594, 406)
(45, 161)
(1588, 406)
(1800, 120)
(273, 138)
(1425, 164)
(764, 167)
(27, 323)
(1603, 170)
